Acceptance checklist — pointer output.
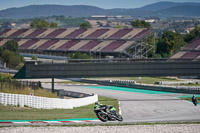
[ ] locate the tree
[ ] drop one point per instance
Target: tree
(11, 45)
(41, 23)
(53, 25)
(85, 25)
(169, 43)
(10, 54)
(78, 55)
(34, 57)
(140, 24)
(192, 35)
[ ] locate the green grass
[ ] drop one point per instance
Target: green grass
(145, 80)
(189, 98)
(17, 113)
(38, 92)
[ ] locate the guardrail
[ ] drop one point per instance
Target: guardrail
(45, 103)
(128, 84)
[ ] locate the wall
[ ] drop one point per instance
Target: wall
(45, 103)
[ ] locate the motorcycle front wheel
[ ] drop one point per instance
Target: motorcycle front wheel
(120, 118)
(103, 117)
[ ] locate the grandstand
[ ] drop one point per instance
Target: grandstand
(190, 51)
(108, 41)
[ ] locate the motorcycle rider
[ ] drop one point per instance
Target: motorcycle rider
(109, 108)
(194, 100)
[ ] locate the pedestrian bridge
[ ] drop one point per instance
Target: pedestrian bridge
(109, 68)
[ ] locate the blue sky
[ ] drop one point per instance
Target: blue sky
(107, 4)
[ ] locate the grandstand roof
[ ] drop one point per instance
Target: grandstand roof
(73, 39)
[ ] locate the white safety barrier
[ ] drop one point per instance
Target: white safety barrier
(45, 103)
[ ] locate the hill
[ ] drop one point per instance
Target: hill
(160, 9)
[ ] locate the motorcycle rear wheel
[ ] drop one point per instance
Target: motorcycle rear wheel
(102, 116)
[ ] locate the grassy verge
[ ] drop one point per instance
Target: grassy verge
(26, 91)
(145, 80)
(17, 113)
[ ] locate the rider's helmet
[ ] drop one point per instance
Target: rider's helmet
(97, 103)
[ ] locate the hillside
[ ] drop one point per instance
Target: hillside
(160, 9)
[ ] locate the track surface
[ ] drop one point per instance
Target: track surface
(143, 106)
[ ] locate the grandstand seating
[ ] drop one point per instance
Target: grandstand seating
(28, 43)
(68, 45)
(190, 55)
(4, 32)
(36, 33)
(89, 45)
(75, 33)
(55, 33)
(17, 33)
(119, 34)
(114, 45)
(97, 33)
(73, 39)
(194, 44)
(47, 44)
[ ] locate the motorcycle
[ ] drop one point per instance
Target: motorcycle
(105, 116)
(194, 102)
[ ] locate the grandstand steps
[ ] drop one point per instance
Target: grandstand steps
(9, 33)
(76, 33)
(22, 41)
(108, 33)
(3, 42)
(86, 33)
(132, 33)
(65, 33)
(45, 33)
(27, 33)
(36, 33)
(89, 45)
(55, 33)
(4, 32)
(28, 43)
(58, 44)
(178, 55)
(37, 44)
(68, 45)
(124, 46)
(101, 46)
(78, 45)
(97, 33)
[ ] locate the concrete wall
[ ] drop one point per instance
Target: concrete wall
(45, 103)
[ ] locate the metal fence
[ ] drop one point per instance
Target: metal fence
(14, 84)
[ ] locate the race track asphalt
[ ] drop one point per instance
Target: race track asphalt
(143, 106)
